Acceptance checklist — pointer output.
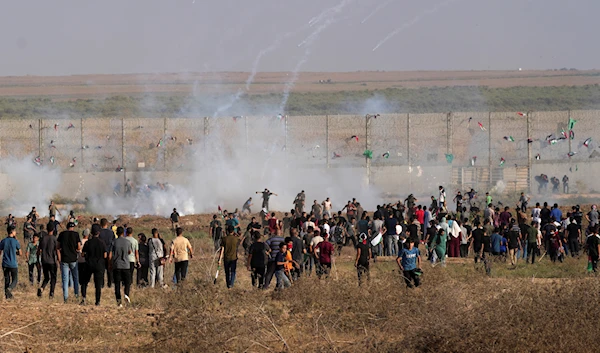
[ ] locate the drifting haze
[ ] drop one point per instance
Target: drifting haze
(78, 37)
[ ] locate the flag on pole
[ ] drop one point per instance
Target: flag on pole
(572, 123)
(587, 142)
(386, 155)
(522, 114)
(502, 161)
(481, 126)
(509, 138)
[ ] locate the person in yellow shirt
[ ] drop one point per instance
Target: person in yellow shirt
(181, 252)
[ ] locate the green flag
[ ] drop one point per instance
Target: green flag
(449, 158)
(368, 154)
(571, 123)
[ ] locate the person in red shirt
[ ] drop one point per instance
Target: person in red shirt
(420, 214)
(273, 224)
(324, 252)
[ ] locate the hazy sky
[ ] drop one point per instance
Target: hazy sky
(64, 37)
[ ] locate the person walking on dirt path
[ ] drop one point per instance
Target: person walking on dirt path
(33, 263)
(107, 236)
(409, 262)
(216, 232)
(363, 255)
(533, 241)
(50, 257)
(257, 261)
(282, 279)
(325, 250)
(34, 215)
(94, 252)
(593, 248)
(28, 229)
(119, 263)
(298, 250)
(484, 252)
(228, 255)
(134, 257)
(181, 253)
(266, 195)
(274, 243)
(69, 245)
(523, 201)
(10, 249)
(174, 220)
(514, 244)
(440, 241)
(157, 259)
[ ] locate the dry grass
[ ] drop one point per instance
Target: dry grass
(539, 308)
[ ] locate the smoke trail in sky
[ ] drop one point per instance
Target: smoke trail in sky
(328, 18)
(379, 7)
(414, 20)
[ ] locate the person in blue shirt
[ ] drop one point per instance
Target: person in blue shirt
(496, 240)
(409, 261)
(556, 213)
(10, 249)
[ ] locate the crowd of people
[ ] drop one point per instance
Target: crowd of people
(303, 242)
(105, 252)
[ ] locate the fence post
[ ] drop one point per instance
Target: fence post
(408, 159)
(166, 150)
(123, 152)
(327, 140)
(568, 132)
(491, 183)
(528, 153)
(40, 138)
(368, 146)
(81, 144)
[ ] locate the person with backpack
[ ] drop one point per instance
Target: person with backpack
(174, 220)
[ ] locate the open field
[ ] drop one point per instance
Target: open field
(541, 307)
(274, 82)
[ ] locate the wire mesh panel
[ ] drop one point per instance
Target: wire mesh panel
(61, 143)
(470, 143)
(266, 135)
(347, 140)
(145, 144)
(102, 143)
(586, 136)
(546, 133)
(508, 139)
(183, 152)
(307, 140)
(429, 142)
(19, 138)
(389, 140)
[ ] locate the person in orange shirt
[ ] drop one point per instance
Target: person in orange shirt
(289, 261)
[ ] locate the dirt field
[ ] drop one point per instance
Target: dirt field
(106, 85)
(457, 309)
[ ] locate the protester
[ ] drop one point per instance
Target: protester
(228, 255)
(121, 266)
(181, 252)
(33, 263)
(94, 252)
(69, 245)
(10, 249)
(409, 262)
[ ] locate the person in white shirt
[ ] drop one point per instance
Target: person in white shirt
(327, 207)
(442, 197)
